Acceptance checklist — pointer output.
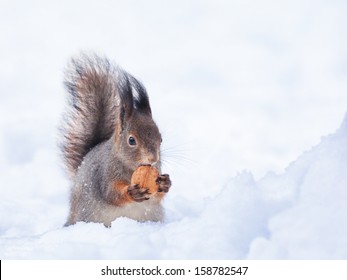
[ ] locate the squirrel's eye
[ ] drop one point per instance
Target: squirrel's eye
(161, 140)
(132, 141)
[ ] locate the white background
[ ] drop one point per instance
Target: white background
(234, 86)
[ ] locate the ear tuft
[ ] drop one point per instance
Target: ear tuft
(126, 98)
(140, 96)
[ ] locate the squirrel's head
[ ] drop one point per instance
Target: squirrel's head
(137, 136)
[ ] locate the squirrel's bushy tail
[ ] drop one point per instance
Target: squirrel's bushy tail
(92, 105)
(99, 93)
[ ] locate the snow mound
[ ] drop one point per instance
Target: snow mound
(314, 188)
(300, 214)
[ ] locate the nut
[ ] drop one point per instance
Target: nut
(146, 177)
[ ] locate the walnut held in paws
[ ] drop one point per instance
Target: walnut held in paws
(146, 177)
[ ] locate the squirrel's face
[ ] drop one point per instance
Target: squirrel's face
(140, 142)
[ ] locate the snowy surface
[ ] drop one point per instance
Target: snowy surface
(243, 93)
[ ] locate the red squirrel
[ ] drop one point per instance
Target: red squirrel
(108, 132)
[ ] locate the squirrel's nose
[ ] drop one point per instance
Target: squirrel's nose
(150, 159)
(149, 162)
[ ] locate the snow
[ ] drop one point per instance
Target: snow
(299, 214)
(242, 92)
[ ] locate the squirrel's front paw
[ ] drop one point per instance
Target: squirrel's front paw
(137, 193)
(164, 183)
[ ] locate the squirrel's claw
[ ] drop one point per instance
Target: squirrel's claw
(137, 193)
(164, 183)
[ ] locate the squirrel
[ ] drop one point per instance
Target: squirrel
(108, 132)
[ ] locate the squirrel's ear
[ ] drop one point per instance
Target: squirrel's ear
(126, 102)
(140, 96)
